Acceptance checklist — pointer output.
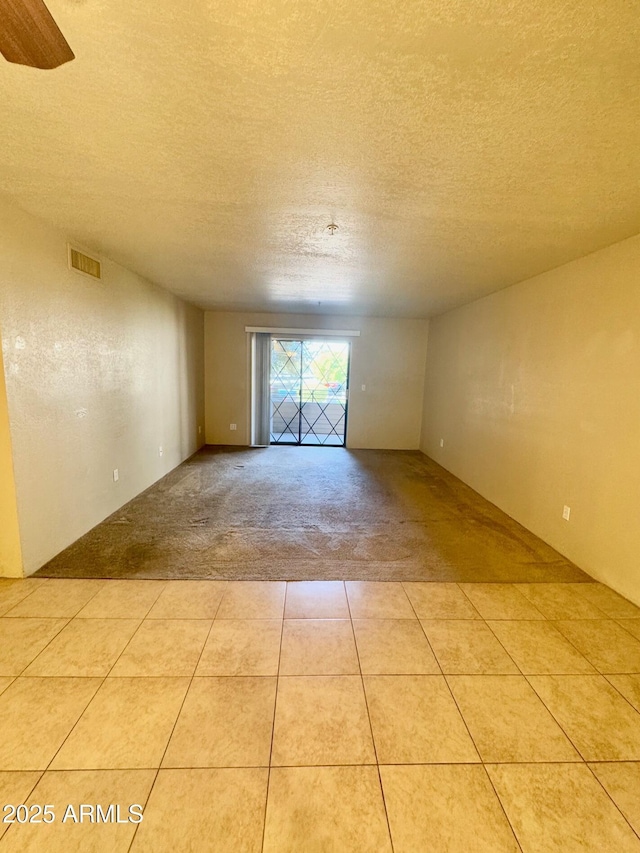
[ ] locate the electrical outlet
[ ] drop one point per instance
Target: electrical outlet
(364, 387)
(199, 430)
(566, 512)
(160, 451)
(442, 442)
(116, 475)
(233, 426)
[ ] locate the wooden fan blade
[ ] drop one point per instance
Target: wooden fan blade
(30, 36)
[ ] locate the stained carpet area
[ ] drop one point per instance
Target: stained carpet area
(308, 513)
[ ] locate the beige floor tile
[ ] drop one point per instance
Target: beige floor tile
(604, 643)
(561, 808)
(225, 722)
(86, 647)
(378, 600)
(242, 647)
(600, 722)
(123, 600)
(13, 591)
(169, 647)
(252, 600)
(4, 683)
(21, 640)
(632, 626)
(325, 810)
(440, 601)
(318, 647)
(507, 720)
(445, 808)
(188, 600)
(15, 787)
(604, 598)
(500, 601)
(629, 686)
(415, 721)
(73, 788)
(394, 647)
(621, 780)
(57, 598)
(321, 720)
(559, 600)
(208, 811)
(127, 725)
(37, 714)
(316, 600)
(539, 648)
(467, 647)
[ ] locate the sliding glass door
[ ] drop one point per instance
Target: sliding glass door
(309, 391)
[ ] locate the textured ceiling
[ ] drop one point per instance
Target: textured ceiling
(460, 146)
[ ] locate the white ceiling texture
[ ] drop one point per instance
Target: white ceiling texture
(459, 146)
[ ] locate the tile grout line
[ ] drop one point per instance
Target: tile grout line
(128, 643)
(144, 806)
(125, 647)
(480, 619)
(621, 622)
(481, 760)
(67, 623)
(103, 678)
(42, 586)
(483, 764)
(11, 678)
(538, 621)
(575, 763)
(175, 722)
(69, 620)
(273, 720)
(377, 764)
(595, 776)
(503, 647)
(366, 704)
(80, 715)
(21, 674)
(597, 671)
(25, 800)
(504, 619)
(558, 723)
(472, 605)
(601, 584)
(28, 595)
(91, 700)
(424, 633)
(628, 701)
(526, 677)
(515, 586)
(504, 811)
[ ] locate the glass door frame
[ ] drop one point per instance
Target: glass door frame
(301, 338)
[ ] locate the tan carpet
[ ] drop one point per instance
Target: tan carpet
(307, 513)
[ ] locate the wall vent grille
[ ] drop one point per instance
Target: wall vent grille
(84, 263)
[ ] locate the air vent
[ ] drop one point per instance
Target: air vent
(83, 263)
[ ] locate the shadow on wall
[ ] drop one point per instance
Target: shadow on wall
(10, 548)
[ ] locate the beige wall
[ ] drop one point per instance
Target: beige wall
(388, 358)
(99, 374)
(10, 552)
(536, 393)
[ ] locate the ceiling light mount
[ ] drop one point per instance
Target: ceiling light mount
(332, 228)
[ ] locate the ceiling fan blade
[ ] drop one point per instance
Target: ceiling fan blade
(30, 36)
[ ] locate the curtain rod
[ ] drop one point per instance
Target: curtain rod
(343, 333)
